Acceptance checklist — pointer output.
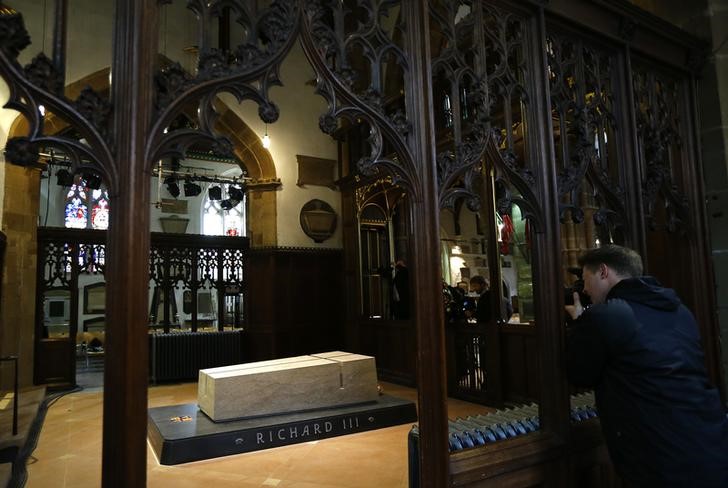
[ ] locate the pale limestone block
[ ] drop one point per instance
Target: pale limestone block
(287, 385)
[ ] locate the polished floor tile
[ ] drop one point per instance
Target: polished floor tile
(68, 454)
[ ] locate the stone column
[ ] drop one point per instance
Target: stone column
(17, 310)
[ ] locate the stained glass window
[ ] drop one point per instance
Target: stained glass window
(76, 213)
(78, 201)
(100, 210)
(217, 221)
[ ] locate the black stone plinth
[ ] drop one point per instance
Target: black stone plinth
(183, 433)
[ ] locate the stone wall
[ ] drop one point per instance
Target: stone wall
(17, 305)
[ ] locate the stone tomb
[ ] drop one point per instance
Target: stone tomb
(287, 385)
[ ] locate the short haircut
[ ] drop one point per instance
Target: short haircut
(479, 280)
(623, 260)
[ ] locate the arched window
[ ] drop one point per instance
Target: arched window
(79, 199)
(223, 217)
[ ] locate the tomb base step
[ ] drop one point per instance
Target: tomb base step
(182, 433)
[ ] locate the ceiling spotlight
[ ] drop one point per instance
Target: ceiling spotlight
(215, 193)
(266, 138)
(64, 177)
(228, 204)
(172, 186)
(192, 189)
(93, 180)
(236, 193)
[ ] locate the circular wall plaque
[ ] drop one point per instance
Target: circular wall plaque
(318, 220)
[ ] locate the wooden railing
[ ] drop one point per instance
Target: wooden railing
(192, 262)
(68, 257)
(492, 363)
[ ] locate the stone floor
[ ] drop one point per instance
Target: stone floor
(90, 372)
(69, 451)
(29, 400)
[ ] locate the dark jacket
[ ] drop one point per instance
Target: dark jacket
(663, 422)
(484, 312)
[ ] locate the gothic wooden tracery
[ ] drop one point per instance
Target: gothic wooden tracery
(497, 106)
(481, 100)
(657, 107)
(122, 146)
(350, 56)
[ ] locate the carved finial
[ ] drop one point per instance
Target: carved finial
(13, 35)
(21, 151)
(696, 59)
(627, 28)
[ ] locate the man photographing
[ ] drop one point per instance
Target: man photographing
(639, 347)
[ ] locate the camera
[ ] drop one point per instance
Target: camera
(578, 287)
(454, 300)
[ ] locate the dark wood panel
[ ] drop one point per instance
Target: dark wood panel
(259, 344)
(57, 366)
(622, 21)
(590, 463)
(296, 302)
(519, 462)
(519, 363)
(394, 345)
(3, 245)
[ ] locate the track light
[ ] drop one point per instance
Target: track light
(93, 180)
(192, 189)
(64, 177)
(215, 193)
(228, 204)
(236, 193)
(172, 186)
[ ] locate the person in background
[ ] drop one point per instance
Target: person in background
(400, 290)
(483, 312)
(639, 347)
(481, 287)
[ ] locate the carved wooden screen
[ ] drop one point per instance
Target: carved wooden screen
(662, 114)
(357, 47)
(482, 80)
(494, 153)
(588, 113)
(362, 52)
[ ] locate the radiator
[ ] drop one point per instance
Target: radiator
(180, 356)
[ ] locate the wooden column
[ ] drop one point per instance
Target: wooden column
(59, 40)
(125, 374)
(547, 267)
(428, 313)
(704, 292)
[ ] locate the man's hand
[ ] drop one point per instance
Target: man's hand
(576, 309)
